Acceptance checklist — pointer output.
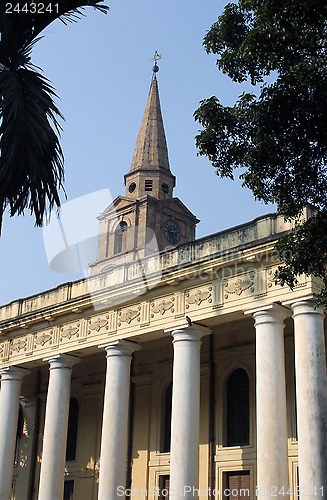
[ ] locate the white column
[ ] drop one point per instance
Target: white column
(55, 427)
(185, 419)
(311, 398)
(114, 439)
(272, 461)
(11, 381)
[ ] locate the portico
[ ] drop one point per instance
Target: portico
(147, 324)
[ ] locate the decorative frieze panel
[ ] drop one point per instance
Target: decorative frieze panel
(98, 323)
(160, 307)
(67, 332)
(129, 315)
(198, 298)
(239, 285)
(17, 345)
(41, 339)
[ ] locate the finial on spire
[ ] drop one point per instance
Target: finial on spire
(155, 68)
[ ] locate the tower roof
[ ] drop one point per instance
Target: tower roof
(151, 150)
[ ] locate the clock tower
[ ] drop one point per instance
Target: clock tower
(148, 218)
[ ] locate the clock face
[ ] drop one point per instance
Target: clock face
(171, 231)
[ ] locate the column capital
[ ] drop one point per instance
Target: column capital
(13, 373)
(306, 306)
(270, 313)
(61, 361)
(188, 331)
(120, 348)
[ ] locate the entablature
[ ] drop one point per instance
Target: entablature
(205, 299)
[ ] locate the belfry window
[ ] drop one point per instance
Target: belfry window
(166, 420)
(148, 184)
(238, 409)
(72, 430)
(120, 237)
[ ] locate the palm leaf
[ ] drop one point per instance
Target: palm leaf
(31, 158)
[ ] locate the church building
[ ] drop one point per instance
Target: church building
(178, 369)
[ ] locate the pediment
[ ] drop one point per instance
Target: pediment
(118, 203)
(177, 205)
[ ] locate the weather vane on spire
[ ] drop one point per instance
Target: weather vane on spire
(156, 58)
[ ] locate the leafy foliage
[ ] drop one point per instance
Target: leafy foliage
(279, 136)
(31, 158)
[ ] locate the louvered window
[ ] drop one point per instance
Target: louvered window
(237, 485)
(148, 185)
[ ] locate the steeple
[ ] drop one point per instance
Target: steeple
(151, 150)
(148, 219)
(150, 171)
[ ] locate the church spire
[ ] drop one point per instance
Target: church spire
(151, 150)
(150, 173)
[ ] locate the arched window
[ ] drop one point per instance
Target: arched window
(238, 409)
(72, 430)
(120, 237)
(166, 420)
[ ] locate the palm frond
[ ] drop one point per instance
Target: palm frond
(31, 158)
(19, 29)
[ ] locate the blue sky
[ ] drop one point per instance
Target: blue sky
(101, 69)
